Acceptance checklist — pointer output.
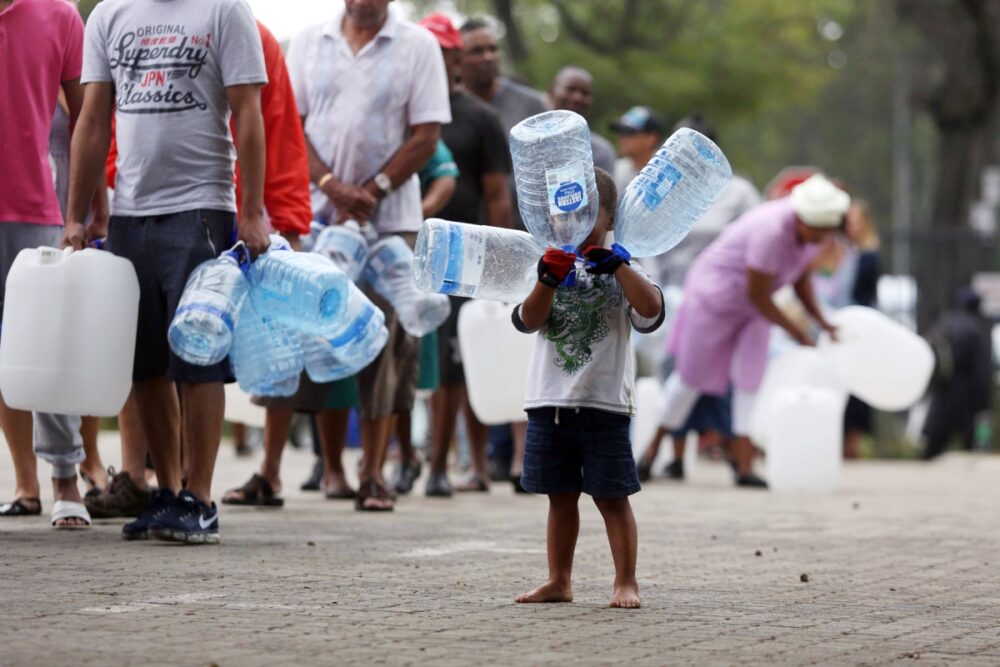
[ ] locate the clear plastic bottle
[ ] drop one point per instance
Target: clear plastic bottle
(315, 229)
(390, 272)
(301, 290)
(202, 329)
(554, 175)
(350, 348)
(662, 203)
(266, 356)
(475, 261)
(345, 245)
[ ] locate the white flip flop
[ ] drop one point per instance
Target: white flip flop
(67, 509)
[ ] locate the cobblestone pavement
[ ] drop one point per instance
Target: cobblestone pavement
(902, 566)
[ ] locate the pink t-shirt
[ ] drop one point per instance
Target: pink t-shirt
(41, 45)
(762, 239)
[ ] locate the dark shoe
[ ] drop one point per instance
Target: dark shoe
(315, 477)
(406, 475)
(257, 492)
(22, 507)
(438, 486)
(160, 501)
(187, 520)
(645, 470)
(499, 470)
(373, 497)
(751, 481)
(515, 480)
(674, 470)
(122, 498)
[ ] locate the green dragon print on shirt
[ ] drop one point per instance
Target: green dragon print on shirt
(579, 321)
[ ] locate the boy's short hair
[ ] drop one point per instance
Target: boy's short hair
(607, 192)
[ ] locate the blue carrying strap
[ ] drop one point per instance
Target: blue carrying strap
(240, 254)
(618, 251)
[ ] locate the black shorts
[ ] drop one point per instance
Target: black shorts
(569, 450)
(449, 354)
(165, 249)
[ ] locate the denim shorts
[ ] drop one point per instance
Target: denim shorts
(165, 249)
(587, 450)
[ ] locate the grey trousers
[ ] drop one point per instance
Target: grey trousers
(56, 437)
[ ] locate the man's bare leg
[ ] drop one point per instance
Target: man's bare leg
(133, 440)
(623, 536)
(332, 426)
(17, 430)
(743, 455)
(204, 405)
(160, 415)
(374, 438)
(444, 415)
(478, 434)
(92, 466)
(563, 529)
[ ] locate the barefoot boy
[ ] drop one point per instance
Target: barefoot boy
(580, 395)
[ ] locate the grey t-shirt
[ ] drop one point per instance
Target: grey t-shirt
(170, 62)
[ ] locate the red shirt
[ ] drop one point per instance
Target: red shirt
(286, 177)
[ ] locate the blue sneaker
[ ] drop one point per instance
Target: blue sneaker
(159, 501)
(187, 520)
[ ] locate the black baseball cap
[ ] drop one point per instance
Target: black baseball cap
(639, 119)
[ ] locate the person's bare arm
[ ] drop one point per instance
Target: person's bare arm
(499, 211)
(535, 309)
(804, 291)
(244, 101)
(759, 293)
(641, 294)
(351, 200)
(88, 149)
(421, 141)
(438, 195)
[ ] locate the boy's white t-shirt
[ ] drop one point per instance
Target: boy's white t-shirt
(582, 356)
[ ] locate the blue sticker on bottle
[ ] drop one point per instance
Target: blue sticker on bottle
(567, 188)
(656, 180)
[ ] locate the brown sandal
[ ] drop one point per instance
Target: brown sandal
(373, 497)
(257, 492)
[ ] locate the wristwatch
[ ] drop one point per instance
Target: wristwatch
(383, 182)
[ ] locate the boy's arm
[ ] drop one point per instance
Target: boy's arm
(644, 297)
(532, 314)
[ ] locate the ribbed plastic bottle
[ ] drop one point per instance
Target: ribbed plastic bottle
(663, 202)
(390, 271)
(475, 261)
(350, 348)
(345, 245)
(266, 356)
(554, 175)
(202, 329)
(301, 290)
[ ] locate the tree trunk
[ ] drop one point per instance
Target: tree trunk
(516, 48)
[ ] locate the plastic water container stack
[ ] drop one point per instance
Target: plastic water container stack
(664, 201)
(475, 261)
(266, 355)
(389, 271)
(554, 175)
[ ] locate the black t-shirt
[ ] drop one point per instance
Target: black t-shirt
(476, 139)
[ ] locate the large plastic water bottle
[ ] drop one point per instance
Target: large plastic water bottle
(554, 175)
(266, 356)
(206, 317)
(390, 272)
(352, 347)
(475, 261)
(315, 229)
(345, 245)
(302, 290)
(662, 203)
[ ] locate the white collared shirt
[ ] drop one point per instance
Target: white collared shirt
(358, 107)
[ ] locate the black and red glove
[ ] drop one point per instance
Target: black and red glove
(554, 266)
(605, 261)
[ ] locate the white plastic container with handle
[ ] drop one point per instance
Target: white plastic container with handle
(495, 357)
(805, 437)
(68, 337)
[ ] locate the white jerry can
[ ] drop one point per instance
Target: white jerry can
(805, 437)
(495, 357)
(880, 361)
(68, 337)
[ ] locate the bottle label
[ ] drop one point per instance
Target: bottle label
(465, 268)
(567, 188)
(656, 180)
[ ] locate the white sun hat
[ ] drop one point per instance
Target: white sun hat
(819, 203)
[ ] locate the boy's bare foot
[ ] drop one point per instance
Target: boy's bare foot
(626, 597)
(547, 592)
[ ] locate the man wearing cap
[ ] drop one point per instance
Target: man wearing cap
(720, 333)
(640, 133)
(572, 89)
(477, 140)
